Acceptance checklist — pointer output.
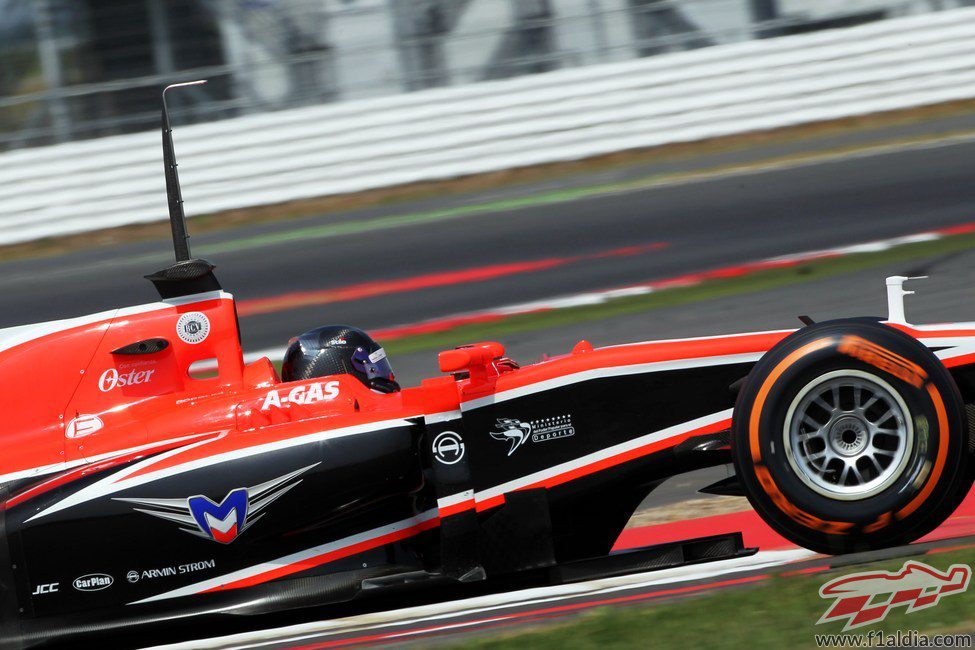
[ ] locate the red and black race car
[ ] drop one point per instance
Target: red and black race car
(137, 489)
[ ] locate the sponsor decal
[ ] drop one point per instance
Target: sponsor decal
(884, 359)
(338, 341)
(142, 363)
(864, 598)
(517, 433)
(200, 397)
(220, 522)
(49, 588)
(83, 425)
(514, 431)
(552, 428)
(93, 582)
(377, 356)
(112, 379)
(193, 327)
(310, 394)
(448, 448)
(169, 571)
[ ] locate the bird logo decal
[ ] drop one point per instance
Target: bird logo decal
(514, 431)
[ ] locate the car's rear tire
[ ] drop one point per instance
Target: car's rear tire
(851, 435)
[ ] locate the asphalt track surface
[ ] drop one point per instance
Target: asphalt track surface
(409, 273)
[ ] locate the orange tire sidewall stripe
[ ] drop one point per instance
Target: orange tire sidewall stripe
(939, 463)
(756, 414)
(761, 472)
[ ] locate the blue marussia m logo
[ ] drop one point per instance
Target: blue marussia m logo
(221, 522)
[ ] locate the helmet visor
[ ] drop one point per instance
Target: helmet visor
(372, 365)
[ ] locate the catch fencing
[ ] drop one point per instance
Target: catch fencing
(564, 115)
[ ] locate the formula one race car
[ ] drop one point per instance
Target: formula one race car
(137, 489)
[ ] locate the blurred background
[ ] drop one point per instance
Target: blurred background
(75, 69)
(532, 171)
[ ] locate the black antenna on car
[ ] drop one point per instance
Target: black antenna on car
(187, 276)
(177, 218)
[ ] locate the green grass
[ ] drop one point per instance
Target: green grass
(362, 225)
(910, 255)
(777, 613)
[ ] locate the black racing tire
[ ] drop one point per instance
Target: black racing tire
(851, 435)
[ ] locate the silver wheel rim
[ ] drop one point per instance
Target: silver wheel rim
(848, 435)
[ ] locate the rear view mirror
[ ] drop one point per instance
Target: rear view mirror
(476, 359)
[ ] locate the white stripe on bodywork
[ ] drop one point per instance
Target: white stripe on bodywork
(611, 371)
(690, 339)
(455, 499)
(44, 470)
(445, 416)
(934, 327)
(13, 336)
(603, 454)
(63, 467)
(948, 355)
(498, 490)
(115, 482)
(119, 481)
(293, 558)
(953, 346)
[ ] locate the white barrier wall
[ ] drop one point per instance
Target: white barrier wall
(437, 134)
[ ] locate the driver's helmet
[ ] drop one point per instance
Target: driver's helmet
(336, 350)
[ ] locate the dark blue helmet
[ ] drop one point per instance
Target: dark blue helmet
(337, 350)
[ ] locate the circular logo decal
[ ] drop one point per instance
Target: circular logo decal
(193, 327)
(83, 425)
(93, 582)
(132, 576)
(448, 448)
